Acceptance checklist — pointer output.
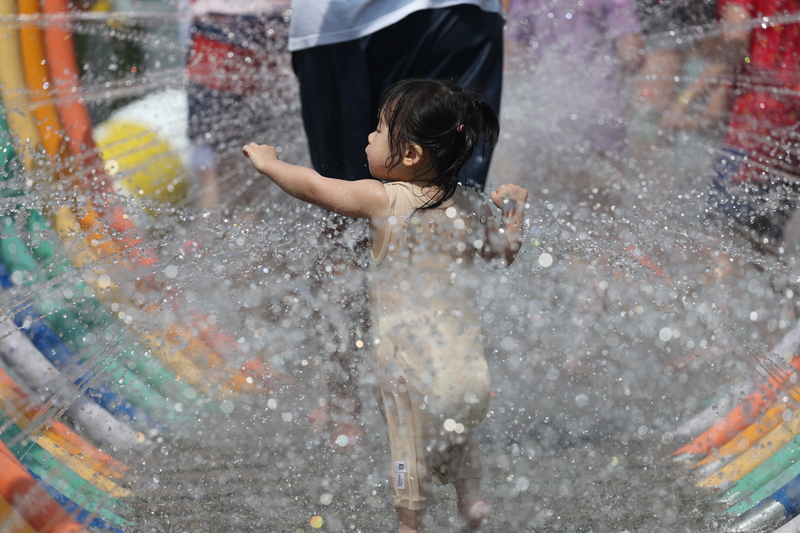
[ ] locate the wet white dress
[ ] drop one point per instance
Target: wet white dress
(432, 380)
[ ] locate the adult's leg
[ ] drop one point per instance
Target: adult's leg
(754, 183)
(337, 115)
(337, 107)
(343, 328)
(203, 158)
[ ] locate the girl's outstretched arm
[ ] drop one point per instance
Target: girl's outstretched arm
(506, 240)
(357, 199)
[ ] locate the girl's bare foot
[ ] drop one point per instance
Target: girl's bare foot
(477, 515)
(474, 511)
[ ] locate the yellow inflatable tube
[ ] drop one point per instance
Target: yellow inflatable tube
(748, 437)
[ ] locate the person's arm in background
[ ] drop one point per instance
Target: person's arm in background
(622, 24)
(724, 56)
(630, 48)
(735, 34)
(711, 88)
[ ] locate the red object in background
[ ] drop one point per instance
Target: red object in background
(766, 108)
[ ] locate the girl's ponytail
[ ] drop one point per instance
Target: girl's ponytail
(490, 125)
(445, 120)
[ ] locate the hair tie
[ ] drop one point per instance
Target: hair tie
(460, 128)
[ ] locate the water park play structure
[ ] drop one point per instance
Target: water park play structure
(94, 347)
(103, 356)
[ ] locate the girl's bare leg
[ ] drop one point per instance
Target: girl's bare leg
(473, 510)
(410, 521)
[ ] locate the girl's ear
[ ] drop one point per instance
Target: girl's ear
(413, 155)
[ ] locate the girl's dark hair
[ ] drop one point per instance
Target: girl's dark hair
(442, 118)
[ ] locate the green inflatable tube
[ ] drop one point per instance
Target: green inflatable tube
(769, 469)
(17, 257)
(92, 312)
(788, 471)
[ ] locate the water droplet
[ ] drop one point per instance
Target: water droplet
(226, 406)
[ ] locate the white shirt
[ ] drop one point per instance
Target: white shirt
(321, 22)
(236, 7)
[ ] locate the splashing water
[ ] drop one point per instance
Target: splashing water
(624, 314)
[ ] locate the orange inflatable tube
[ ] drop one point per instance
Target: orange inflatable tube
(30, 500)
(749, 436)
(38, 79)
(730, 425)
(78, 127)
(184, 353)
(754, 456)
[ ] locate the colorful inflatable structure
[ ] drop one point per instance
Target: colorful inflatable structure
(99, 356)
(745, 446)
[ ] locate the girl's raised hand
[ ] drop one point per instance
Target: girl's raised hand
(505, 240)
(509, 191)
(259, 154)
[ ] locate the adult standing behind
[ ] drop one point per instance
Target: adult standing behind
(345, 53)
(580, 52)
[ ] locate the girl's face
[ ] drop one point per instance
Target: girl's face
(379, 154)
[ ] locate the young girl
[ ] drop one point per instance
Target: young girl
(432, 380)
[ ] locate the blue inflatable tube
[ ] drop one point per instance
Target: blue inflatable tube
(772, 512)
(54, 349)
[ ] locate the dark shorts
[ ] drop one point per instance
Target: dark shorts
(658, 16)
(756, 180)
(758, 209)
(341, 84)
